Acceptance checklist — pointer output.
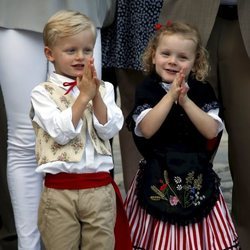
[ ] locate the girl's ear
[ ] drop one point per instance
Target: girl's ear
(49, 54)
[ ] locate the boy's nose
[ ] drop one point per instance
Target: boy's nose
(80, 54)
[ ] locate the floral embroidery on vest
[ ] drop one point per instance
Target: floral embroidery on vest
(49, 88)
(64, 100)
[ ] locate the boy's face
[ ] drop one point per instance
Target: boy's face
(174, 53)
(69, 54)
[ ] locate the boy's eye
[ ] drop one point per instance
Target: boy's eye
(70, 51)
(88, 51)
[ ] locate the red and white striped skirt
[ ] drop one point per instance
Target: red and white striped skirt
(214, 232)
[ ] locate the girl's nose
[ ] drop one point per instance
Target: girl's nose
(172, 60)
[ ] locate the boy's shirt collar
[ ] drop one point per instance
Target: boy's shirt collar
(59, 79)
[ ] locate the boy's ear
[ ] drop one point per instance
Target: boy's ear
(48, 53)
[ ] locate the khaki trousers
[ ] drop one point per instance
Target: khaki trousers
(231, 78)
(127, 81)
(78, 219)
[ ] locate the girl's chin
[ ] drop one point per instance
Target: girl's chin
(168, 79)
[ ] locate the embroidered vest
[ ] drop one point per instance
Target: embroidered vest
(48, 150)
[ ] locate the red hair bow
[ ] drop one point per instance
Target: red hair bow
(158, 26)
(169, 23)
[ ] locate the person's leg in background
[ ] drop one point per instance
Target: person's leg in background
(230, 65)
(108, 74)
(127, 80)
(8, 236)
(22, 66)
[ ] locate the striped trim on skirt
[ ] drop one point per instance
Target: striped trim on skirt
(214, 232)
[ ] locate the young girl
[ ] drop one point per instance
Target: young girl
(175, 201)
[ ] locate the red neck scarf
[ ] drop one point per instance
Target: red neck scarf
(71, 86)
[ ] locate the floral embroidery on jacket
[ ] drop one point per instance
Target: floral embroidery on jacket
(141, 108)
(209, 106)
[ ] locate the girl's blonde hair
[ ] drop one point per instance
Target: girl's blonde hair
(201, 65)
(66, 23)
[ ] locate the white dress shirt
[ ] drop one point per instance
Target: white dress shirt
(59, 125)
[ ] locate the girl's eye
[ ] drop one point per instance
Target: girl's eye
(183, 57)
(165, 53)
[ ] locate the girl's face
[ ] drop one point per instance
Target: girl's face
(174, 52)
(69, 54)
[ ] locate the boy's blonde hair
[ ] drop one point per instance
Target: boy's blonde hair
(65, 23)
(201, 65)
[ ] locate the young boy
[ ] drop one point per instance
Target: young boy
(74, 116)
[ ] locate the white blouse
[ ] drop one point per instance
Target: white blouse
(59, 125)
